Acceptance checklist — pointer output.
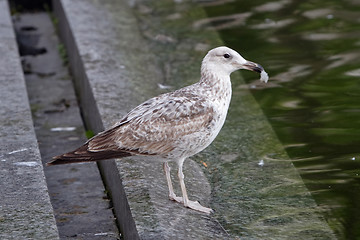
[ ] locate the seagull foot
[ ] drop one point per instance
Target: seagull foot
(195, 205)
(176, 199)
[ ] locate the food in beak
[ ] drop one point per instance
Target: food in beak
(264, 77)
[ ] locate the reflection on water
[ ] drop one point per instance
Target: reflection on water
(311, 52)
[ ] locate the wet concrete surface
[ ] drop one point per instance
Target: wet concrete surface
(82, 209)
(124, 60)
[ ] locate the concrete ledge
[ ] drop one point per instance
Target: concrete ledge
(119, 56)
(89, 106)
(25, 208)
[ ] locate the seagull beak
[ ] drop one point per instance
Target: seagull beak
(252, 66)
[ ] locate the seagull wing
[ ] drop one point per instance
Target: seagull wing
(153, 128)
(156, 126)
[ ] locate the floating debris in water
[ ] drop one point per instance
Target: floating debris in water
(63, 129)
(73, 138)
(261, 163)
(19, 150)
(163, 86)
(101, 234)
(26, 164)
(204, 163)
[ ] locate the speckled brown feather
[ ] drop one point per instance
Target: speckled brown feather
(171, 126)
(153, 128)
(83, 155)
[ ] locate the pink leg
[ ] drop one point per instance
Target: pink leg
(187, 203)
(172, 195)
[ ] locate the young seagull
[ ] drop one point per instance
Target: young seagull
(172, 126)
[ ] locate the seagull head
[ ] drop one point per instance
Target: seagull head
(224, 61)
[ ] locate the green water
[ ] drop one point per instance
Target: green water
(311, 52)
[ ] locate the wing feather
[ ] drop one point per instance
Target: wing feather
(156, 126)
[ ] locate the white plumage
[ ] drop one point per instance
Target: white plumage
(172, 126)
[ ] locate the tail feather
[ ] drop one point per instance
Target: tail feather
(82, 154)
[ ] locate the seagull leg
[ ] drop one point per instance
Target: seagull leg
(172, 195)
(187, 203)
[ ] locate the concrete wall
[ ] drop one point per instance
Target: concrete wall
(25, 209)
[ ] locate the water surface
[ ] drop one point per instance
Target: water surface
(311, 52)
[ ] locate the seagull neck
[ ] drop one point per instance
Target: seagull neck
(213, 78)
(215, 84)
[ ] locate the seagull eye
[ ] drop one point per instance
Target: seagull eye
(226, 55)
